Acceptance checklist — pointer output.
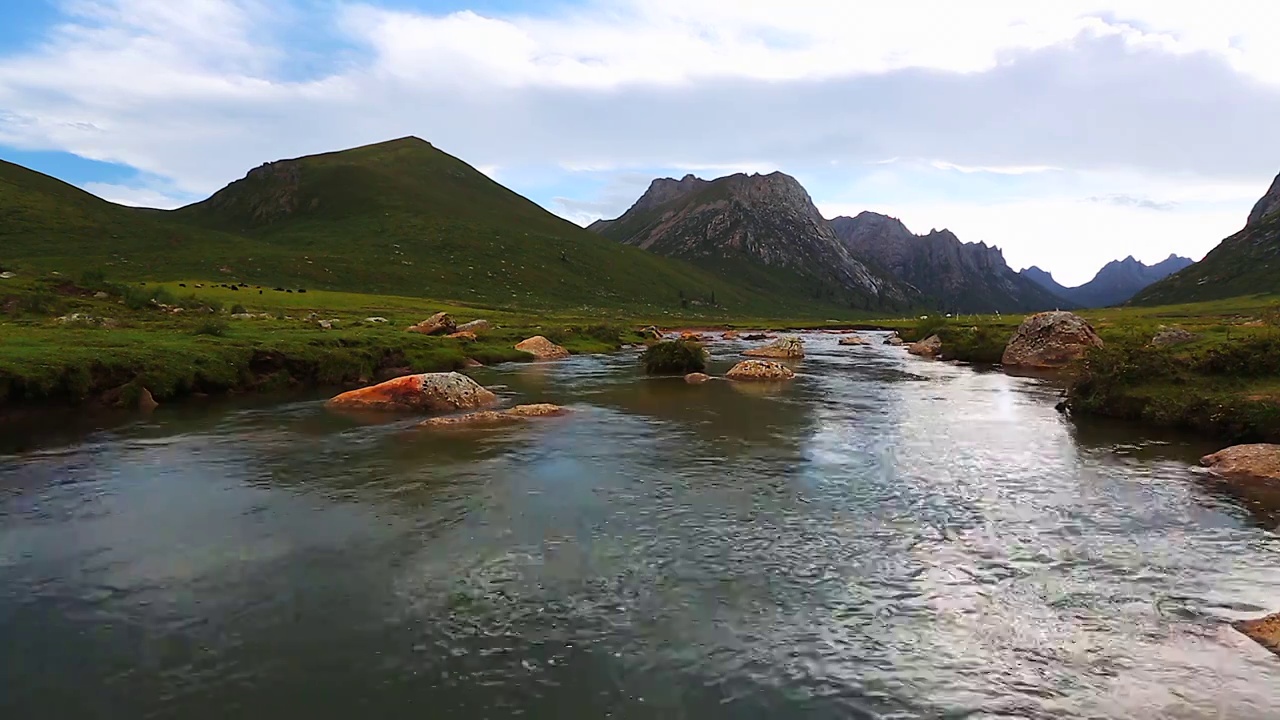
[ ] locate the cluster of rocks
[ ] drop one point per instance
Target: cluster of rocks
(84, 320)
(1253, 472)
(446, 395)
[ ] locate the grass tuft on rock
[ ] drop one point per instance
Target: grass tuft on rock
(674, 357)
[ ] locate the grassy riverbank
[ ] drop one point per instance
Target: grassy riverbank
(1223, 382)
(91, 340)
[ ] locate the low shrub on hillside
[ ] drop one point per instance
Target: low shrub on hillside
(674, 357)
(216, 327)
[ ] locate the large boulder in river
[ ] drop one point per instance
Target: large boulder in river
(490, 418)
(1248, 471)
(759, 370)
(928, 347)
(438, 324)
(894, 340)
(791, 348)
(1050, 340)
(1246, 465)
(542, 349)
(1265, 631)
(429, 392)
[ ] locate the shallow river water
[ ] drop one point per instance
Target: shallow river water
(883, 538)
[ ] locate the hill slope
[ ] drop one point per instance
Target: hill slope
(955, 276)
(1114, 284)
(53, 225)
(398, 217)
(1246, 263)
(762, 230)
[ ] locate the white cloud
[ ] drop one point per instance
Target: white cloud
(136, 196)
(1167, 98)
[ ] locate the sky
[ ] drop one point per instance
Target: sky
(1067, 132)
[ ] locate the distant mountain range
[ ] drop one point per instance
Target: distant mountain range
(760, 230)
(1115, 283)
(952, 275)
(1246, 263)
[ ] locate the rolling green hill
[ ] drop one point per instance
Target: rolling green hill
(399, 217)
(1247, 263)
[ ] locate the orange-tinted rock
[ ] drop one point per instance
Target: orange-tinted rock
(429, 392)
(470, 363)
(542, 349)
(466, 335)
(730, 335)
(691, 336)
(759, 370)
(1265, 631)
(696, 378)
(489, 418)
(438, 324)
(852, 340)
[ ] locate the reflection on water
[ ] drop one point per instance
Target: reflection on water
(883, 538)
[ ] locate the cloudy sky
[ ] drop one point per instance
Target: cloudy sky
(1067, 132)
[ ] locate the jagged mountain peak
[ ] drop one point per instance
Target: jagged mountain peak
(959, 276)
(1116, 282)
(757, 222)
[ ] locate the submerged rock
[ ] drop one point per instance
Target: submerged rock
(785, 349)
(489, 418)
(852, 340)
(1050, 340)
(690, 336)
(429, 392)
(730, 335)
(475, 326)
(894, 340)
(542, 349)
(759, 370)
(438, 324)
(1265, 631)
(928, 347)
(696, 378)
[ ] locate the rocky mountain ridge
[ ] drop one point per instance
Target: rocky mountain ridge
(953, 275)
(753, 227)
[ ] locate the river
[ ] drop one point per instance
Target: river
(885, 537)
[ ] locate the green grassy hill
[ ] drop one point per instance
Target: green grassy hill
(399, 217)
(51, 225)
